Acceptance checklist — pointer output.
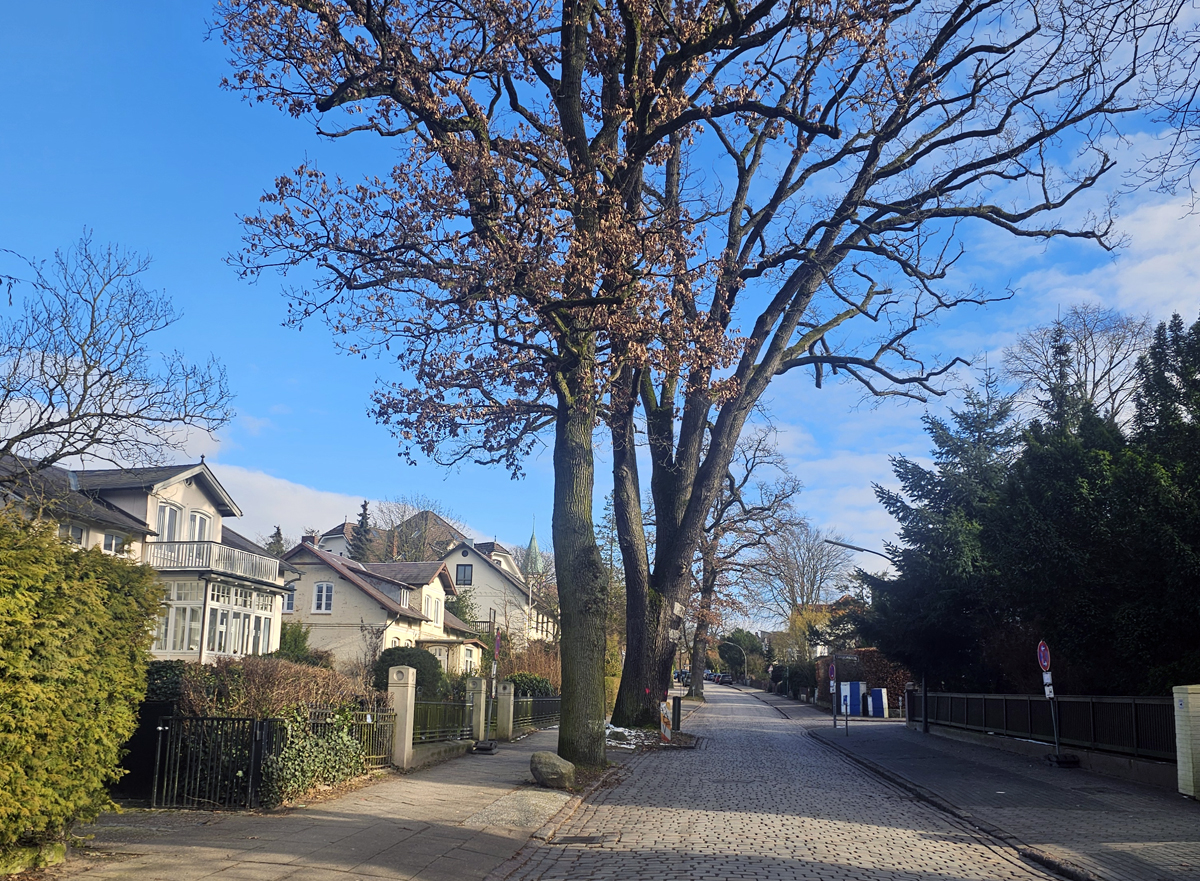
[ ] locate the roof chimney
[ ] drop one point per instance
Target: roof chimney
(308, 540)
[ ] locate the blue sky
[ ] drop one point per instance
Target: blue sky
(115, 121)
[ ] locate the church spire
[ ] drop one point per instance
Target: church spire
(533, 556)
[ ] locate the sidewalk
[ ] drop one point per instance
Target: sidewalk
(1085, 825)
(456, 821)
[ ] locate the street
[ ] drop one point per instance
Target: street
(760, 799)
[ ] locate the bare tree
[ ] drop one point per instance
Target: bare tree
(413, 528)
(798, 569)
(601, 206)
(752, 509)
(78, 376)
(1102, 364)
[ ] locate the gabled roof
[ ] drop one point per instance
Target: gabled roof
(414, 574)
(150, 479)
(453, 622)
(383, 590)
(56, 489)
(491, 547)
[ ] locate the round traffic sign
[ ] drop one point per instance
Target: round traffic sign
(832, 671)
(1044, 655)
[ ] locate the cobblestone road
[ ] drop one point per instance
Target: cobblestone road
(760, 799)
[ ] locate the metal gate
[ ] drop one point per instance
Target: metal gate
(212, 763)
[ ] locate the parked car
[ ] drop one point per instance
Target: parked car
(725, 679)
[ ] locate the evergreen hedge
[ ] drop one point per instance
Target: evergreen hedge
(75, 635)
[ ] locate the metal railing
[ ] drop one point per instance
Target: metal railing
(535, 712)
(213, 557)
(374, 730)
(1134, 726)
(435, 721)
(212, 763)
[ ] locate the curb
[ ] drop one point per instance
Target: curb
(546, 831)
(1034, 854)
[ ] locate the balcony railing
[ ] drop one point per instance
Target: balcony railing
(211, 556)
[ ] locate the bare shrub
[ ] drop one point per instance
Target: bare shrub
(266, 687)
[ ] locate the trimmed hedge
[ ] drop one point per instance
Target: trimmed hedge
(532, 684)
(75, 634)
(429, 671)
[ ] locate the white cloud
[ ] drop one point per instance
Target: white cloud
(1156, 273)
(268, 501)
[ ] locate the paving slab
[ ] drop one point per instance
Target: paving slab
(1107, 828)
(459, 820)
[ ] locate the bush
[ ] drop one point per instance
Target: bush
(75, 634)
(266, 687)
(164, 680)
(293, 646)
(532, 684)
(429, 671)
(308, 760)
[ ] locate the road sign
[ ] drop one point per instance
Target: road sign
(832, 671)
(1049, 690)
(1044, 655)
(832, 687)
(1046, 679)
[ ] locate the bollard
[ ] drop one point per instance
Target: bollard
(676, 712)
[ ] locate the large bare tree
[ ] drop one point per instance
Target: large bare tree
(604, 206)
(1102, 363)
(80, 375)
(753, 509)
(799, 569)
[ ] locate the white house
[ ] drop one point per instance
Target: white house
(499, 590)
(354, 610)
(224, 593)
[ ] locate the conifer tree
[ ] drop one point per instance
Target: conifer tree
(359, 545)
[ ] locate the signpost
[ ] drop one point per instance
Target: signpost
(833, 695)
(1043, 655)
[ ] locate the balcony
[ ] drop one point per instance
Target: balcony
(211, 556)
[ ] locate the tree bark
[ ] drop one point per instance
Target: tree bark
(582, 585)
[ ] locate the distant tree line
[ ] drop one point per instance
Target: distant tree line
(1082, 528)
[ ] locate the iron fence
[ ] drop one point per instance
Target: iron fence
(535, 712)
(212, 763)
(373, 729)
(435, 721)
(1135, 726)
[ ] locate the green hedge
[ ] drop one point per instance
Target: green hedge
(531, 683)
(75, 634)
(429, 670)
(308, 760)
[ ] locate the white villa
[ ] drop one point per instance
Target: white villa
(224, 592)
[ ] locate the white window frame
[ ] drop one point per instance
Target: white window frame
(114, 543)
(289, 603)
(71, 534)
(162, 521)
(196, 519)
(322, 603)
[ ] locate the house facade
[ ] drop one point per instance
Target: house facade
(224, 593)
(355, 610)
(499, 591)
